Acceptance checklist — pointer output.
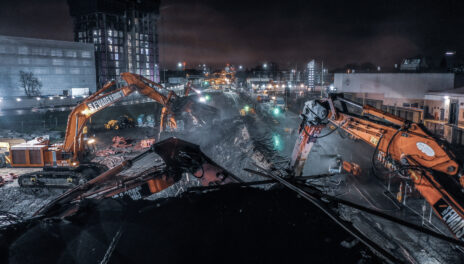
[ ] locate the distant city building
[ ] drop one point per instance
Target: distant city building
(124, 33)
(315, 75)
(414, 64)
(59, 65)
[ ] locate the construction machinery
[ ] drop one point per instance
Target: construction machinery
(121, 123)
(152, 171)
(5, 146)
(66, 164)
(220, 79)
(403, 147)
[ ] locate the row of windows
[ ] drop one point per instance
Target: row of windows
(43, 51)
(97, 33)
(53, 70)
(56, 62)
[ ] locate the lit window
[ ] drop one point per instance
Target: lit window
(71, 53)
(58, 62)
(86, 54)
(23, 50)
(116, 56)
(110, 33)
(110, 47)
(24, 60)
(147, 65)
(115, 48)
(95, 33)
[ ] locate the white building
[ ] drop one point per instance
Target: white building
(393, 88)
(59, 65)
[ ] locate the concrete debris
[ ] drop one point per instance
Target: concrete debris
(144, 144)
(120, 150)
(52, 135)
(120, 142)
(349, 244)
(10, 177)
(110, 161)
(142, 231)
(105, 152)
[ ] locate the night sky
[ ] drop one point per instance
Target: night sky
(288, 32)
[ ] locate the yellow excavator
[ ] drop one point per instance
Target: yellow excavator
(122, 122)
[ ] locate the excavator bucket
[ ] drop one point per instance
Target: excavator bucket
(192, 112)
(182, 156)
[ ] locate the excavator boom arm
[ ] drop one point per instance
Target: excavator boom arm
(400, 146)
(77, 119)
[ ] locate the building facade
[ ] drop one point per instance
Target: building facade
(124, 33)
(316, 75)
(59, 65)
(393, 87)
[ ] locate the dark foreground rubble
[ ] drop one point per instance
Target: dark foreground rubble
(230, 225)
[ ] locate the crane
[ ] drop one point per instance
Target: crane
(65, 164)
(401, 146)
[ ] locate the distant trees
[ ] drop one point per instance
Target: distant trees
(29, 83)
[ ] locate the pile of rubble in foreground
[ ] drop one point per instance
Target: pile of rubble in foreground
(242, 225)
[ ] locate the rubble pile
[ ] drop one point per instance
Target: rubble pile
(7, 178)
(121, 149)
(24, 202)
(244, 224)
(238, 146)
(52, 135)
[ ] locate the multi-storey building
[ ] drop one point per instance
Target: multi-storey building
(124, 33)
(59, 65)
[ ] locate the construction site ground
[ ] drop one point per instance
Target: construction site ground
(237, 142)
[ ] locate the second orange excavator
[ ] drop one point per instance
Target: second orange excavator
(403, 147)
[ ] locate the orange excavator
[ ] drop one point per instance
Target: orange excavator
(65, 164)
(403, 147)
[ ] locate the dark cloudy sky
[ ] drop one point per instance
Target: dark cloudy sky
(287, 32)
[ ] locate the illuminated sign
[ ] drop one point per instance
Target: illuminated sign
(104, 101)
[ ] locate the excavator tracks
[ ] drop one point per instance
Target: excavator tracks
(60, 177)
